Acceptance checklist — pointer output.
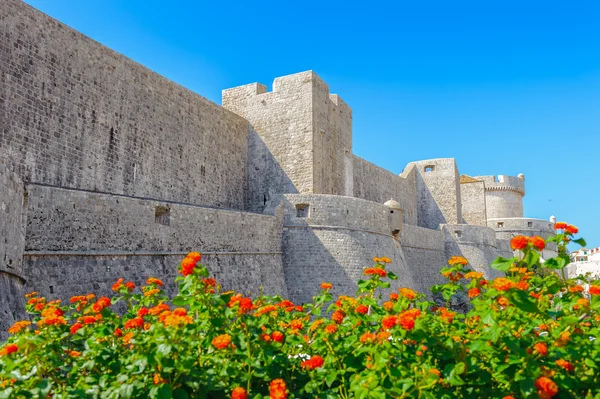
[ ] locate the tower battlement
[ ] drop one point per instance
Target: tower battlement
(504, 183)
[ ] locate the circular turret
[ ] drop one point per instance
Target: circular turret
(504, 196)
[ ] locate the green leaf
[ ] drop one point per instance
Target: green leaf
(331, 377)
(392, 276)
(523, 301)
(580, 241)
(557, 263)
(503, 264)
(531, 258)
(165, 392)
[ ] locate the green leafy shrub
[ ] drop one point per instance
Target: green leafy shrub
(525, 335)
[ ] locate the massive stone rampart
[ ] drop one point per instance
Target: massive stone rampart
(76, 114)
(478, 244)
(425, 255)
(12, 242)
(80, 242)
(333, 238)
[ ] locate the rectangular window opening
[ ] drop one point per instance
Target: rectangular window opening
(500, 224)
(162, 215)
(302, 210)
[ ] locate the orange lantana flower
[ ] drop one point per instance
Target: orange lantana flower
(407, 293)
(239, 393)
(502, 284)
(546, 387)
(457, 260)
(537, 242)
(277, 389)
(221, 341)
(519, 242)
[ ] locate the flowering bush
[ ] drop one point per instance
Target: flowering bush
(524, 335)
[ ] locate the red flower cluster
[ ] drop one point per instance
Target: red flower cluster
(136, 322)
(239, 393)
(189, 263)
(537, 242)
(568, 228)
(119, 284)
(375, 271)
(313, 363)
(338, 316)
(100, 304)
(503, 284)
(546, 387)
(154, 281)
(277, 389)
(8, 349)
(277, 336)
(221, 341)
(18, 326)
(326, 286)
(541, 348)
(519, 242)
(362, 309)
(75, 327)
(565, 365)
(245, 304)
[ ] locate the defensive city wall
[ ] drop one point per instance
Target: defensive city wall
(108, 170)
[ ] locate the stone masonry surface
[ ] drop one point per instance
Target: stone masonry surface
(75, 114)
(80, 241)
(109, 170)
(12, 242)
(473, 200)
(374, 183)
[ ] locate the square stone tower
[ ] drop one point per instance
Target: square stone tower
(438, 193)
(300, 138)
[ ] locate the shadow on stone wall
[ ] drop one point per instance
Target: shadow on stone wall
(266, 177)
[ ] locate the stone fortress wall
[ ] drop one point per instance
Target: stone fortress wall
(121, 172)
(12, 243)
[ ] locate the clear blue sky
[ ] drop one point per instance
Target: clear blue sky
(505, 87)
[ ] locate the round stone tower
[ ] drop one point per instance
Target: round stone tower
(504, 196)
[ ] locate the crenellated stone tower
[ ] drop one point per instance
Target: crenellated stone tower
(300, 138)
